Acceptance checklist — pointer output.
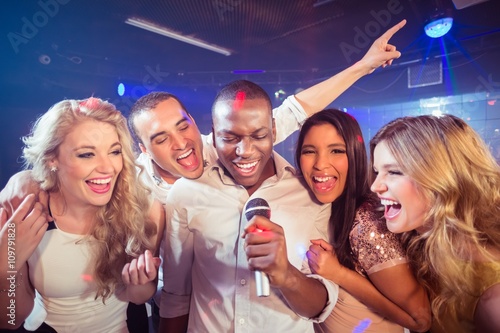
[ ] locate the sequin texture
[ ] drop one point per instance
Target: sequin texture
(373, 246)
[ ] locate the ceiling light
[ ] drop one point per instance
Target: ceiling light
(248, 71)
(176, 35)
(437, 113)
(438, 27)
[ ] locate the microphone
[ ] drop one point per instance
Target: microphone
(258, 206)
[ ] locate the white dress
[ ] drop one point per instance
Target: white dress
(60, 271)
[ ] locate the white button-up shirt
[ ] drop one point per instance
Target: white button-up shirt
(288, 117)
(206, 270)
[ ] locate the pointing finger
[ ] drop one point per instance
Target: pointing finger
(389, 33)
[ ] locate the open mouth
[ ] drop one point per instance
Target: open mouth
(392, 208)
(99, 185)
(324, 184)
(188, 159)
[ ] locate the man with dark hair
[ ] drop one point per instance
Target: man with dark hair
(172, 146)
(208, 283)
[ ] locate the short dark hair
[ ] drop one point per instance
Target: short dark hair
(250, 90)
(145, 104)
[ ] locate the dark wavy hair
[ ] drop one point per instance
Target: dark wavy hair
(357, 186)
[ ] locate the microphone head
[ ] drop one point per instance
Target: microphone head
(257, 206)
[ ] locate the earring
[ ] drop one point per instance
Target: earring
(53, 168)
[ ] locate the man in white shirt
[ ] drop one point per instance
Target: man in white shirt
(160, 160)
(188, 152)
(209, 285)
(172, 146)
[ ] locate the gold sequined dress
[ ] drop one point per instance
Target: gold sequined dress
(375, 248)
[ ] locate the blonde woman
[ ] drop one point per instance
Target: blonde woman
(78, 272)
(441, 189)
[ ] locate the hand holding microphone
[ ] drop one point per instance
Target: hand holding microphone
(259, 207)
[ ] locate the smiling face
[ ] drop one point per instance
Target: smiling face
(88, 163)
(172, 140)
(405, 205)
(244, 140)
(323, 161)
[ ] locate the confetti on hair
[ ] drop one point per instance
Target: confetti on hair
(360, 139)
(90, 103)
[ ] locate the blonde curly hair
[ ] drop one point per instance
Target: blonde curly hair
(457, 175)
(122, 229)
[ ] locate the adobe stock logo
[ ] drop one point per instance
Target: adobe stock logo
(223, 6)
(487, 85)
(150, 82)
(29, 29)
(372, 30)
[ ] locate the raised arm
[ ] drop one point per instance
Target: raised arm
(293, 112)
(381, 53)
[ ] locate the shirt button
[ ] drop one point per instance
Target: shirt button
(242, 321)
(243, 282)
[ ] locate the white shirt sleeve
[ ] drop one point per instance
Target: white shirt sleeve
(333, 294)
(288, 117)
(177, 264)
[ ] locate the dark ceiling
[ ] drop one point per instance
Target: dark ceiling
(79, 44)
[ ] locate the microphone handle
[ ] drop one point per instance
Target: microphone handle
(262, 284)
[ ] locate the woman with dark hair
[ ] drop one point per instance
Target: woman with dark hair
(378, 290)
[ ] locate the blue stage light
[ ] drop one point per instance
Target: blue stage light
(438, 27)
(121, 89)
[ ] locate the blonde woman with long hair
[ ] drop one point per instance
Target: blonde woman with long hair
(441, 189)
(78, 272)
